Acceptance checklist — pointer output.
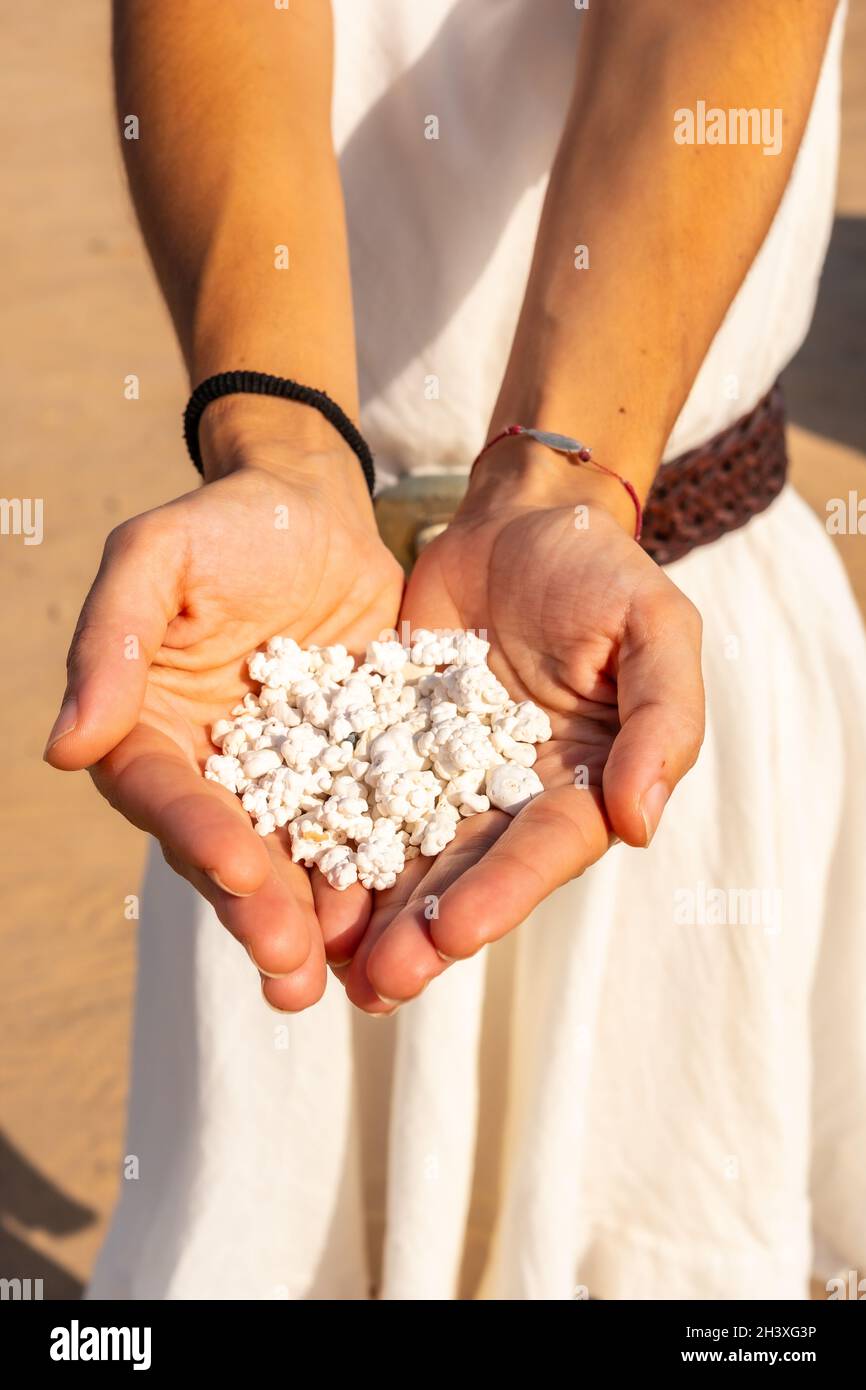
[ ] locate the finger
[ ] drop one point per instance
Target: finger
(122, 624)
(274, 925)
(661, 709)
(149, 781)
(278, 922)
(343, 917)
(403, 958)
(355, 978)
(304, 987)
(552, 840)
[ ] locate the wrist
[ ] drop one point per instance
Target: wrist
(626, 431)
(520, 472)
(287, 438)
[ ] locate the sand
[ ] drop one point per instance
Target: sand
(82, 313)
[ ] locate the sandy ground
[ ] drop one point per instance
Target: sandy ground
(81, 314)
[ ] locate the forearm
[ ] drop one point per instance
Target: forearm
(608, 353)
(234, 160)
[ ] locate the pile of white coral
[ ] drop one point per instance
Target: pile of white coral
(370, 766)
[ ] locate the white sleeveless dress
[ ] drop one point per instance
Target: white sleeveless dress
(615, 1100)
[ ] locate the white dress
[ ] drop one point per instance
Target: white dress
(629, 1096)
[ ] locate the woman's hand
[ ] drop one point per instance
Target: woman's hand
(285, 543)
(584, 623)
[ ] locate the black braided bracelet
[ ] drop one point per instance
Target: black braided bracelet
(262, 384)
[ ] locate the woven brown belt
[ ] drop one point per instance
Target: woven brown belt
(695, 498)
(701, 495)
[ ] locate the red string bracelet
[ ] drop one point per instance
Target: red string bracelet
(562, 444)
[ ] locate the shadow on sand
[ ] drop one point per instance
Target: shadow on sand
(30, 1202)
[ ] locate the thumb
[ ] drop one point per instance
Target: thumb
(661, 710)
(122, 625)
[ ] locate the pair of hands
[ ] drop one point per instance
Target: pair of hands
(580, 620)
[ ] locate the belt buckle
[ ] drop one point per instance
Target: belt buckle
(416, 510)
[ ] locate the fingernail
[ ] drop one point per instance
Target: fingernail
(64, 723)
(449, 960)
(652, 806)
(390, 1013)
(395, 1003)
(215, 878)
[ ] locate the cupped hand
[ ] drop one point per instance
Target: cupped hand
(183, 595)
(584, 623)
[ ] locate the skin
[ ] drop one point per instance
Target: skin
(234, 158)
(578, 623)
(187, 581)
(580, 619)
